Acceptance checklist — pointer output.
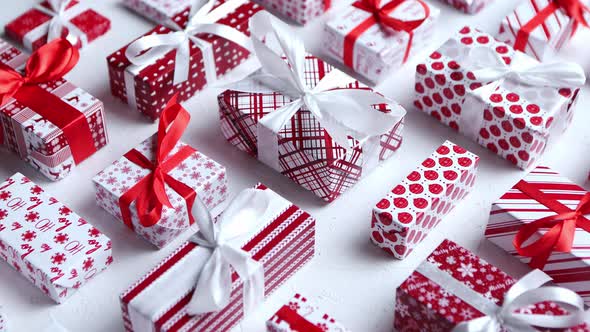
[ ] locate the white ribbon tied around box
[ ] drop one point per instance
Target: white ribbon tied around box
(147, 49)
(342, 112)
(524, 293)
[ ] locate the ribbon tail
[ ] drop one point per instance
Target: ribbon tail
(213, 288)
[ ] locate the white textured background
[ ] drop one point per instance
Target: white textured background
(349, 278)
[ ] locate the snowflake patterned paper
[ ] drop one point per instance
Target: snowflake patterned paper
(49, 244)
(469, 6)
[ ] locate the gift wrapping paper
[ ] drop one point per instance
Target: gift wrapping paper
(158, 10)
(31, 28)
(469, 6)
(148, 88)
(298, 11)
(405, 216)
(34, 138)
(283, 245)
(202, 174)
(53, 247)
(519, 121)
(378, 51)
(302, 315)
(307, 155)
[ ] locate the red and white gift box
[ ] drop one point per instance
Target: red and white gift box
(158, 10)
(282, 242)
(405, 216)
(354, 37)
(53, 247)
(469, 6)
(514, 120)
(302, 315)
(299, 11)
(31, 29)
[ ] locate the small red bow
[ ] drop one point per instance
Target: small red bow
(574, 9)
(382, 17)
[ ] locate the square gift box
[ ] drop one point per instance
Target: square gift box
(49, 244)
(405, 216)
(469, 6)
(512, 119)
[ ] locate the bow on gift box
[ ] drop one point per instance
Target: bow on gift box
(60, 13)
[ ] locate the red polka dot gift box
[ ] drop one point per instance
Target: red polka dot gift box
(503, 99)
(49, 244)
(405, 216)
(469, 6)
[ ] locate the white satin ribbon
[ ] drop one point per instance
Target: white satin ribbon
(60, 20)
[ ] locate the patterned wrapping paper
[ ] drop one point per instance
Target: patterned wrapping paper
(519, 121)
(158, 10)
(405, 216)
(31, 28)
(153, 84)
(298, 11)
(283, 246)
(307, 155)
(34, 138)
(469, 6)
(53, 247)
(377, 51)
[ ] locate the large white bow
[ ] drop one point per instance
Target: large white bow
(60, 19)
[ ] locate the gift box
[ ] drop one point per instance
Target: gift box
(301, 315)
(403, 218)
(32, 29)
(469, 6)
(53, 125)
(300, 11)
(3, 323)
(372, 48)
(158, 10)
(277, 238)
(53, 247)
(514, 119)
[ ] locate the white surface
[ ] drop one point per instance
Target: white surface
(350, 278)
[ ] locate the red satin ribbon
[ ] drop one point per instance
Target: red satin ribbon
(150, 193)
(380, 15)
(296, 321)
(573, 8)
(562, 227)
(49, 63)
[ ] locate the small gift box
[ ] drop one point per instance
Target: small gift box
(403, 218)
(226, 269)
(455, 290)
(152, 188)
(182, 56)
(53, 247)
(301, 315)
(469, 6)
(501, 98)
(542, 222)
(375, 37)
(313, 137)
(539, 28)
(48, 121)
(53, 19)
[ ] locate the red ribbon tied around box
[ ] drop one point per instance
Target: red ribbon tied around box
(380, 16)
(49, 63)
(575, 9)
(296, 321)
(561, 227)
(150, 192)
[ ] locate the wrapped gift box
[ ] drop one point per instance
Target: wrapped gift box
(515, 121)
(307, 155)
(31, 28)
(299, 11)
(53, 247)
(469, 6)
(3, 322)
(403, 218)
(282, 245)
(35, 138)
(158, 10)
(375, 51)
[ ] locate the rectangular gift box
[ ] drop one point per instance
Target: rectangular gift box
(158, 10)
(31, 28)
(307, 155)
(469, 6)
(283, 245)
(148, 88)
(515, 121)
(33, 137)
(53, 247)
(403, 218)
(375, 51)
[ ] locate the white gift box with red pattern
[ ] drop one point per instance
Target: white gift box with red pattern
(405, 216)
(49, 244)
(514, 120)
(469, 6)
(158, 10)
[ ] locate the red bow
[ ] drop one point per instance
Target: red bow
(574, 9)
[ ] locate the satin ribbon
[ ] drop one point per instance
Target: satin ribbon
(60, 19)
(296, 321)
(49, 63)
(150, 192)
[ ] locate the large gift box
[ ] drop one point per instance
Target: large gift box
(469, 6)
(259, 229)
(49, 122)
(373, 46)
(516, 106)
(53, 247)
(57, 18)
(405, 216)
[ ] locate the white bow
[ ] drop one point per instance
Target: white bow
(60, 19)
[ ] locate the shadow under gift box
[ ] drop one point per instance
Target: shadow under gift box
(469, 6)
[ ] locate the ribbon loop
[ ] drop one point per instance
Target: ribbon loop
(60, 21)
